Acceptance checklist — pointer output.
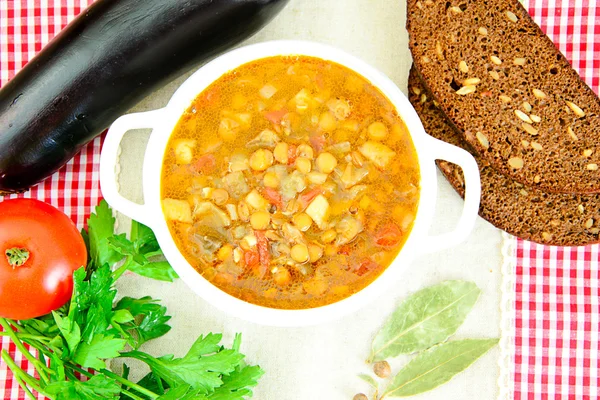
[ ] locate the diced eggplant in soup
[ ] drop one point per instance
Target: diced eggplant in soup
(265, 139)
(210, 215)
(295, 187)
(235, 184)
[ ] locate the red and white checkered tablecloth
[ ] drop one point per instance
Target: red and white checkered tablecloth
(25, 27)
(555, 308)
(553, 311)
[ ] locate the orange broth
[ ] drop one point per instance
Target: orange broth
(290, 182)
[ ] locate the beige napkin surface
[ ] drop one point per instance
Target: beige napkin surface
(323, 362)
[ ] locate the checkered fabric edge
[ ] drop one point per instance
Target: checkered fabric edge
(507, 325)
(25, 27)
(550, 321)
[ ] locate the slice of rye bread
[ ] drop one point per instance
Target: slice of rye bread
(504, 84)
(527, 212)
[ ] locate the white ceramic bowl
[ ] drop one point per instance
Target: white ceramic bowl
(163, 121)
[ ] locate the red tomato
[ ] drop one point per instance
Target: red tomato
(213, 96)
(275, 117)
(388, 236)
(317, 142)
(206, 164)
(40, 248)
(345, 250)
(251, 258)
(320, 81)
(365, 266)
(306, 198)
(273, 197)
(292, 154)
(263, 251)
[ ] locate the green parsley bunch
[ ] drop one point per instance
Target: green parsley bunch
(79, 338)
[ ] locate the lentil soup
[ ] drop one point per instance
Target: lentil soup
(290, 182)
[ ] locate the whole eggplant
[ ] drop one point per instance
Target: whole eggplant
(111, 56)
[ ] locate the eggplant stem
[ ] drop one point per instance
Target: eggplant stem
(17, 257)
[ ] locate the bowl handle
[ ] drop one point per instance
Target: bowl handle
(440, 150)
(109, 159)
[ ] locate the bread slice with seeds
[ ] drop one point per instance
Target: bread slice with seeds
(504, 84)
(527, 212)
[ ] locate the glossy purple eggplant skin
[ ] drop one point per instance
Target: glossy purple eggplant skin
(110, 57)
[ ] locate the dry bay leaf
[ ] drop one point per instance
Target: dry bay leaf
(428, 317)
(436, 366)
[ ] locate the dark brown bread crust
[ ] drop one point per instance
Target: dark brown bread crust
(526, 212)
(519, 68)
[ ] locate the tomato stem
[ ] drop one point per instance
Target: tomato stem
(16, 256)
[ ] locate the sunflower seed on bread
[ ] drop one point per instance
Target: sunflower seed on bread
(521, 210)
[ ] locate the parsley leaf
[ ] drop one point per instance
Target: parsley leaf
(69, 330)
(101, 226)
(125, 247)
(201, 367)
(158, 270)
(149, 382)
(183, 392)
(143, 238)
(92, 301)
(91, 329)
(57, 367)
(237, 342)
(90, 355)
(235, 386)
(153, 325)
(121, 317)
(97, 387)
(151, 316)
(136, 307)
(138, 263)
(84, 328)
(44, 326)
